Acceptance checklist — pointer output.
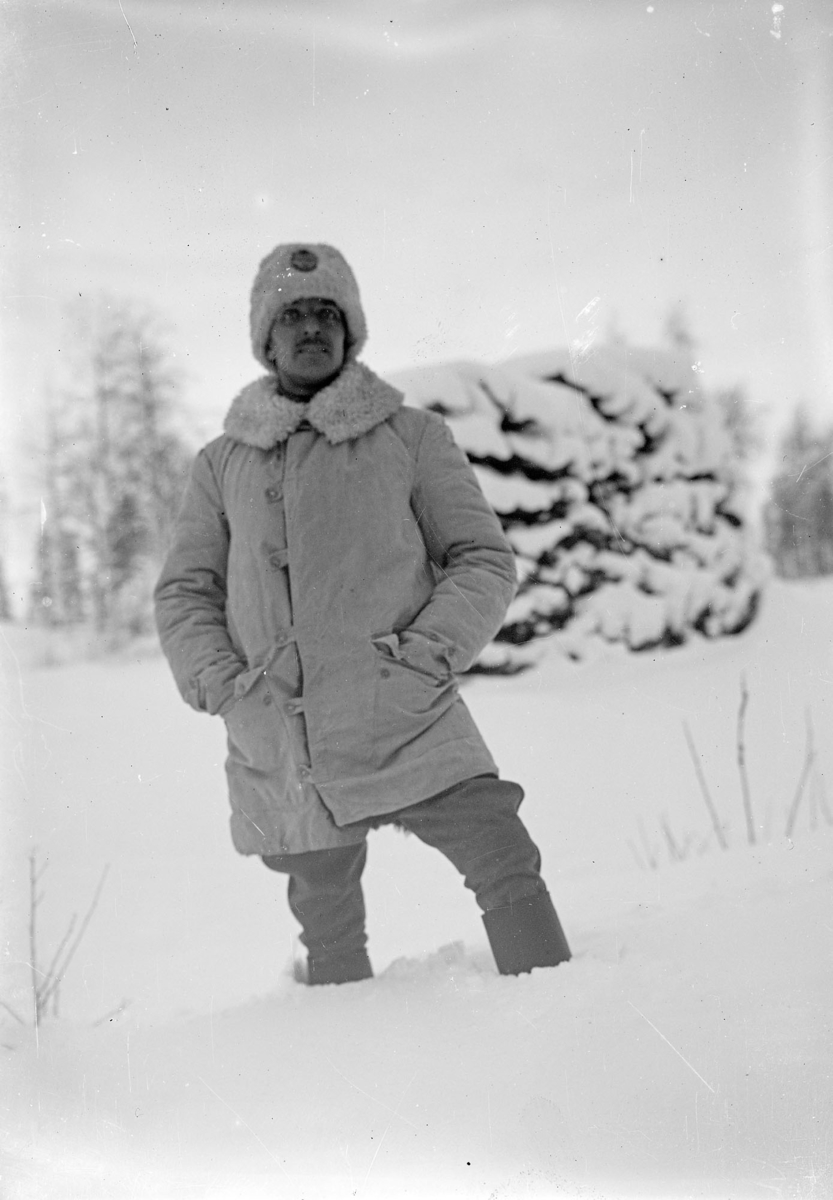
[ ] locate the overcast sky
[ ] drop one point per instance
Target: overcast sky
(503, 176)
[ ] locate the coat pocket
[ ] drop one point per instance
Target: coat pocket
(254, 725)
(408, 698)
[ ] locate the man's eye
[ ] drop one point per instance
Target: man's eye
(329, 315)
(290, 316)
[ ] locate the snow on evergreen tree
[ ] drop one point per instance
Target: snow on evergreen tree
(614, 478)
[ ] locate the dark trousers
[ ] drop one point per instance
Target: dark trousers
(475, 824)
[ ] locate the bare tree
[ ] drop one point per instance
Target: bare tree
(799, 513)
(114, 464)
(743, 422)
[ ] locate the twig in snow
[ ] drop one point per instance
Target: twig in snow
(33, 940)
(673, 849)
(812, 800)
(650, 853)
(809, 759)
(637, 856)
(9, 1009)
(56, 956)
(678, 852)
(701, 779)
(55, 977)
(744, 782)
(45, 985)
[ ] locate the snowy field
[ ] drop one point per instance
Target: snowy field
(686, 1051)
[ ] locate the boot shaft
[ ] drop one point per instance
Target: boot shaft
(525, 935)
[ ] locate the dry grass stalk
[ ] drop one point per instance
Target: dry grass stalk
(809, 759)
(678, 851)
(637, 856)
(701, 779)
(744, 782)
(46, 984)
(650, 852)
(12, 1012)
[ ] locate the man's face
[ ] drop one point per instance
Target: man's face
(307, 345)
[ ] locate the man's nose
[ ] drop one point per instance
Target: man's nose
(311, 324)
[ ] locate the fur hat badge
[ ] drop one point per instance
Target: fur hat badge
(296, 271)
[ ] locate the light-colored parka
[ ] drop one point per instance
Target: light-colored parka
(335, 564)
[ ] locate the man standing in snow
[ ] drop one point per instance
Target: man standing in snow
(335, 565)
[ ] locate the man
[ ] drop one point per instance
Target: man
(335, 565)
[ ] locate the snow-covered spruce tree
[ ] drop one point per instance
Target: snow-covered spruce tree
(614, 478)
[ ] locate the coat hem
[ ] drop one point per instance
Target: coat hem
(383, 792)
(293, 844)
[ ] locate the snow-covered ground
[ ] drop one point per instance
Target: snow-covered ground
(686, 1050)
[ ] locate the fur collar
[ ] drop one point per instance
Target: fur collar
(348, 407)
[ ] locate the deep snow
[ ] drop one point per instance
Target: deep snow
(685, 1051)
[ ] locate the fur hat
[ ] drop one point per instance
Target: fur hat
(298, 270)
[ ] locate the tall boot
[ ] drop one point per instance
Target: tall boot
(344, 968)
(325, 896)
(526, 934)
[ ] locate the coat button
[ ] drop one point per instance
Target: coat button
(267, 699)
(385, 673)
(273, 494)
(278, 559)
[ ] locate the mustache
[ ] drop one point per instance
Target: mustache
(321, 343)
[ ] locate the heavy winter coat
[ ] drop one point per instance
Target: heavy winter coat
(334, 565)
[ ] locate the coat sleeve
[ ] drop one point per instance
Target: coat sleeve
(474, 562)
(190, 597)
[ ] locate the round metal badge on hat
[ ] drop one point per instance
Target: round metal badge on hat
(304, 260)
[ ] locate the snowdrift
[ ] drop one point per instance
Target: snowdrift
(685, 1052)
